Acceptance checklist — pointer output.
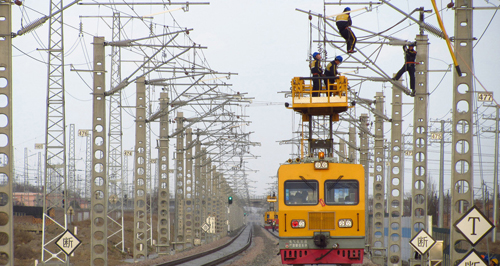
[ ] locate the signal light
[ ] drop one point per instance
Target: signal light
(230, 200)
(298, 223)
(345, 223)
(321, 155)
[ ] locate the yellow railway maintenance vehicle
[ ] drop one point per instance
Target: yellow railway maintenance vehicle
(322, 207)
(271, 215)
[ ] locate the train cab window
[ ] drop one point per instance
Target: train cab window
(301, 192)
(342, 192)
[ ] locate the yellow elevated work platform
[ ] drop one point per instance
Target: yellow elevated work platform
(271, 199)
(332, 98)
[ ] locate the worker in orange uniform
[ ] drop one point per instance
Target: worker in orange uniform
(317, 72)
(410, 57)
(343, 24)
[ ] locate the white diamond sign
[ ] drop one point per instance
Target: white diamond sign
(473, 225)
(472, 259)
(422, 242)
(68, 242)
(205, 227)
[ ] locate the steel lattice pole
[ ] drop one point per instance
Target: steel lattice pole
(55, 140)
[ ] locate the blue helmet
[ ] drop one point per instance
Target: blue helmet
(339, 58)
(315, 54)
(347, 9)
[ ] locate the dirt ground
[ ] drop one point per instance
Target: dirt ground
(27, 246)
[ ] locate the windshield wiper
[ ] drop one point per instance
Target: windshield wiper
(332, 185)
(305, 181)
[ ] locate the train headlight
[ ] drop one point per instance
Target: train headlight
(345, 223)
(298, 223)
(321, 165)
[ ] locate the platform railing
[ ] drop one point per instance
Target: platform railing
(336, 92)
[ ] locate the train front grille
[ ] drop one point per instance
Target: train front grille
(322, 220)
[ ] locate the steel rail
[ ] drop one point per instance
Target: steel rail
(271, 232)
(232, 255)
(198, 255)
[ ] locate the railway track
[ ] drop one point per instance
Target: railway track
(275, 234)
(215, 256)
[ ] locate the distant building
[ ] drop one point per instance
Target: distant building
(36, 199)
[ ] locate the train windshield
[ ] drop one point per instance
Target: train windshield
(301, 192)
(342, 192)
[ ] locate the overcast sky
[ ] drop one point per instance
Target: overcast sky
(267, 43)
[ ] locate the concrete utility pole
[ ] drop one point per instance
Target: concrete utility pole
(363, 160)
(203, 192)
(99, 192)
(188, 193)
(150, 177)
(140, 196)
(420, 143)
(461, 159)
(352, 140)
(71, 167)
(342, 155)
(163, 180)
(39, 178)
(210, 196)
(379, 250)
(25, 174)
(216, 201)
(88, 166)
(128, 185)
(495, 179)
(179, 186)
(441, 179)
(197, 193)
(495, 172)
(439, 136)
(396, 177)
(6, 168)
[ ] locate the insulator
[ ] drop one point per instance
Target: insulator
(433, 30)
(33, 25)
